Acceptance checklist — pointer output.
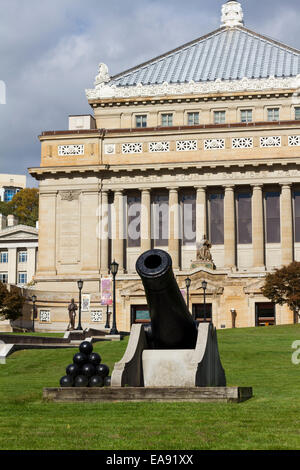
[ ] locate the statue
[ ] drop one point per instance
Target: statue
(103, 75)
(72, 314)
(203, 250)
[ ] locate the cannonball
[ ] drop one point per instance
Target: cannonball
(86, 348)
(107, 382)
(81, 381)
(96, 381)
(73, 370)
(88, 370)
(102, 370)
(80, 359)
(66, 381)
(94, 359)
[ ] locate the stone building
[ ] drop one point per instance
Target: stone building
(203, 140)
(10, 185)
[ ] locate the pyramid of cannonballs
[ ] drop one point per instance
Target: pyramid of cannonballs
(86, 370)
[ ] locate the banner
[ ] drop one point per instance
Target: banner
(106, 291)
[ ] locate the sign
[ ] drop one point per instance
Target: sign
(85, 302)
(106, 291)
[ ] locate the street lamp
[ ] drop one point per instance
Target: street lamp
(204, 287)
(33, 298)
(80, 286)
(107, 316)
(188, 285)
(114, 269)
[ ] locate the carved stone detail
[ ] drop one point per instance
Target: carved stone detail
(66, 150)
(214, 144)
(186, 145)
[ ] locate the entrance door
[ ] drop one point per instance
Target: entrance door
(140, 314)
(198, 312)
(265, 314)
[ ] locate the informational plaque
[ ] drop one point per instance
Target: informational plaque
(106, 291)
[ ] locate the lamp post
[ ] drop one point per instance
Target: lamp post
(204, 287)
(233, 316)
(33, 298)
(188, 285)
(80, 286)
(114, 269)
(107, 317)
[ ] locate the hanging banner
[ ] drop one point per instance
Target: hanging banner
(106, 291)
(85, 302)
(183, 291)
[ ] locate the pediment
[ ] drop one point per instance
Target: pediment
(19, 233)
(254, 287)
(134, 289)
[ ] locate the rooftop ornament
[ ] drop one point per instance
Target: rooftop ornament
(232, 14)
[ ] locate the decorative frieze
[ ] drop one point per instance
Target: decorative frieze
(96, 316)
(132, 148)
(45, 316)
(110, 149)
(159, 147)
(214, 144)
(274, 141)
(186, 145)
(242, 143)
(294, 140)
(66, 150)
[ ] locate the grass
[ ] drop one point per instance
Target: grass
(257, 357)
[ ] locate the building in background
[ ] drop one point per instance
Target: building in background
(211, 128)
(10, 185)
(18, 251)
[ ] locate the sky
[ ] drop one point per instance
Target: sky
(50, 51)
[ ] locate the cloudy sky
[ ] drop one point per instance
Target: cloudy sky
(50, 51)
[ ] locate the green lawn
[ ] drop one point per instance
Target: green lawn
(259, 357)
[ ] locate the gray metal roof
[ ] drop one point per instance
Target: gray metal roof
(226, 54)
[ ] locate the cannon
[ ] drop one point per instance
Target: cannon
(172, 326)
(171, 351)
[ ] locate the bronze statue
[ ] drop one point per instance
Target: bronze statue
(203, 250)
(72, 314)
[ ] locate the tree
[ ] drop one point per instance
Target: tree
(283, 287)
(25, 206)
(11, 302)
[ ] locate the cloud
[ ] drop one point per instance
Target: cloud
(50, 52)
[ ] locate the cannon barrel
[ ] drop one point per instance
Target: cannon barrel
(171, 322)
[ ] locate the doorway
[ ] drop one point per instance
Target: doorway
(198, 312)
(265, 314)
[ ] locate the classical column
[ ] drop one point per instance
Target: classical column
(201, 214)
(118, 234)
(104, 233)
(89, 225)
(229, 228)
(258, 227)
(286, 224)
(174, 226)
(12, 266)
(31, 263)
(47, 233)
(145, 220)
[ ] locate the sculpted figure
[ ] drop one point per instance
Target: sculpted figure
(72, 315)
(103, 75)
(203, 250)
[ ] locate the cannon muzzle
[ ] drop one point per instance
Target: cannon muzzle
(172, 324)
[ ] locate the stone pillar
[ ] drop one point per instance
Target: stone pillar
(104, 233)
(31, 263)
(47, 233)
(229, 228)
(12, 266)
(118, 232)
(145, 220)
(89, 225)
(286, 223)
(174, 226)
(258, 227)
(201, 214)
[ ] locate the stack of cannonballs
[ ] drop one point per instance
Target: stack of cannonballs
(86, 370)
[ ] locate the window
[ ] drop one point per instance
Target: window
(140, 314)
(244, 216)
(297, 114)
(246, 115)
(141, 121)
(9, 194)
(167, 120)
(297, 215)
(188, 204)
(4, 278)
(272, 204)
(22, 278)
(96, 316)
(216, 219)
(160, 219)
(22, 257)
(273, 114)
(219, 117)
(134, 221)
(193, 119)
(4, 257)
(45, 316)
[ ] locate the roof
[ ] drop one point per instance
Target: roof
(225, 54)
